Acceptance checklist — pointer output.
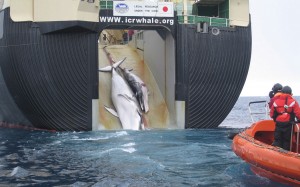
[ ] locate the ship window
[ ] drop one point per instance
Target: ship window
(206, 8)
(209, 11)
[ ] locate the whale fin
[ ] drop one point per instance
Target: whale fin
(127, 97)
(117, 64)
(105, 69)
(112, 111)
(109, 68)
(142, 122)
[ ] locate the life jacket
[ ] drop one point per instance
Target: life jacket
(276, 96)
(284, 108)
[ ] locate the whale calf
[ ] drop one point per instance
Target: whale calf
(138, 87)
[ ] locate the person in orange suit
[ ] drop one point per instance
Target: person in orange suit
(275, 93)
(283, 111)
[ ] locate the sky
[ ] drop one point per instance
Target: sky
(275, 46)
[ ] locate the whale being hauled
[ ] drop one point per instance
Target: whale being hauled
(138, 87)
(124, 101)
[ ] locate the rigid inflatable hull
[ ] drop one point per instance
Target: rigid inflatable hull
(266, 160)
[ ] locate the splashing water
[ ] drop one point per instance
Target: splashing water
(167, 158)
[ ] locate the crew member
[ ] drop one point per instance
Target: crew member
(283, 111)
(275, 93)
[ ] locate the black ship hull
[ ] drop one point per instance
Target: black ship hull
(49, 73)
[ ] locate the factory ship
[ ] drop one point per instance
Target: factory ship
(193, 56)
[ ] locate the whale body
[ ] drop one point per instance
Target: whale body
(124, 100)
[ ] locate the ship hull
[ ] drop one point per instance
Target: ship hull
(49, 76)
(211, 72)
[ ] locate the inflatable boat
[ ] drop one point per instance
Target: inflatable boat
(254, 145)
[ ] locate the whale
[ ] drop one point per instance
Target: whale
(124, 100)
(138, 87)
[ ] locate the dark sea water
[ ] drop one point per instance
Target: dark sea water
(162, 158)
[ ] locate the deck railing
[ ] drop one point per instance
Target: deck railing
(259, 111)
(295, 129)
(213, 21)
(106, 4)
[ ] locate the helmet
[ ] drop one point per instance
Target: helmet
(271, 94)
(277, 87)
(287, 90)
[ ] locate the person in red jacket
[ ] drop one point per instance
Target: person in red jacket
(275, 93)
(283, 111)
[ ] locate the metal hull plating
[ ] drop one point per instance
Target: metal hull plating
(211, 72)
(49, 74)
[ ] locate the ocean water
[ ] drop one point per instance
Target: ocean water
(152, 158)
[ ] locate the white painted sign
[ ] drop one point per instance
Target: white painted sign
(143, 9)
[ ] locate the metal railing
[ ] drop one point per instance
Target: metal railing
(266, 111)
(213, 21)
(295, 128)
(106, 4)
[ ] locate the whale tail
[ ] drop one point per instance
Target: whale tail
(114, 65)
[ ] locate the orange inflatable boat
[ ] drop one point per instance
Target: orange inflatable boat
(254, 146)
